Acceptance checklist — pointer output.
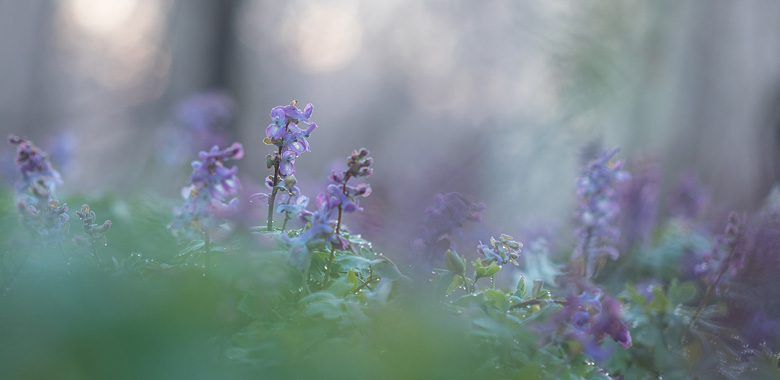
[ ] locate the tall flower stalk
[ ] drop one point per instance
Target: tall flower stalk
(358, 165)
(290, 141)
(35, 197)
(210, 193)
(597, 236)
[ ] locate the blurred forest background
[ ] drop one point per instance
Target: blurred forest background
(492, 98)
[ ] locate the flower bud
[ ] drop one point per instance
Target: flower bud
(454, 262)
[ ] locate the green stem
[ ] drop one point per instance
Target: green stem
(336, 232)
(710, 289)
(207, 251)
(272, 198)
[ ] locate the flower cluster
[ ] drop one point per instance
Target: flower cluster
(38, 207)
(597, 213)
(211, 185)
(588, 319)
(504, 250)
(285, 134)
(320, 231)
(339, 197)
(38, 175)
(95, 233)
(291, 142)
(49, 222)
(358, 165)
(444, 221)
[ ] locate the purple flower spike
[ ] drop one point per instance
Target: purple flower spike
(597, 235)
(206, 199)
(35, 167)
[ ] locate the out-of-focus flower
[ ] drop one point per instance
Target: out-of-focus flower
(95, 233)
(690, 198)
(445, 220)
(49, 223)
(199, 121)
(639, 204)
(39, 210)
(321, 230)
(588, 319)
(38, 175)
(206, 199)
(597, 234)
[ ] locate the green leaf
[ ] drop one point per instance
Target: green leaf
(496, 299)
(367, 253)
(635, 296)
(537, 288)
(681, 293)
(385, 268)
(352, 279)
(660, 303)
(250, 306)
(192, 247)
(341, 287)
(520, 290)
(443, 283)
(349, 262)
(457, 281)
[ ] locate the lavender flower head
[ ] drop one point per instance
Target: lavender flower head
(39, 211)
(445, 220)
(285, 134)
(588, 319)
(597, 235)
(211, 185)
(358, 166)
(38, 175)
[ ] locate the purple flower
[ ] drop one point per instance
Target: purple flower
(48, 222)
(38, 175)
(445, 220)
(39, 211)
(287, 164)
(598, 211)
(320, 231)
(206, 199)
(285, 124)
(211, 174)
(588, 319)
